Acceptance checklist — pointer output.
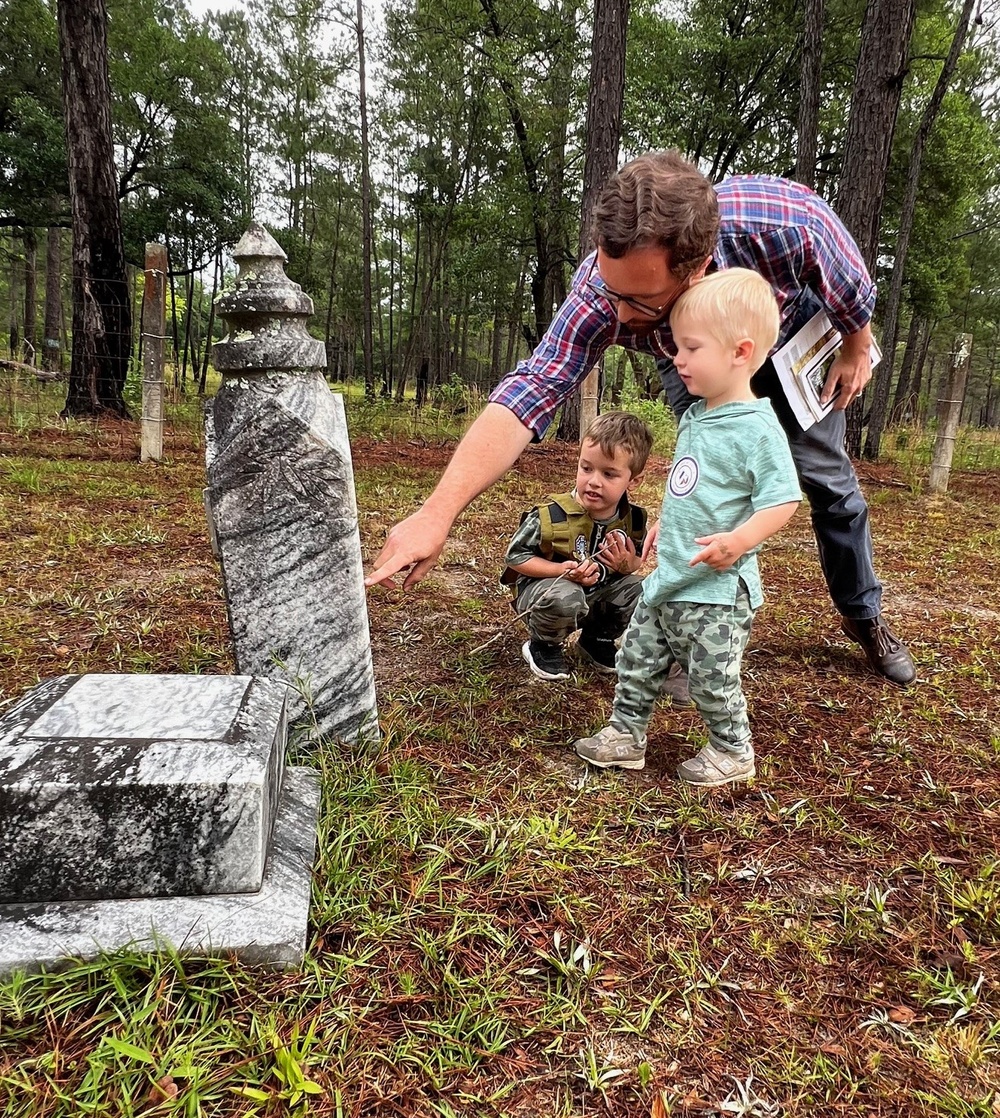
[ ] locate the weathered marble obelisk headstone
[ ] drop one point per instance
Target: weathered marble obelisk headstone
(144, 810)
(281, 500)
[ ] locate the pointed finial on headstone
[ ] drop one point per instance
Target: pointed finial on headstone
(266, 313)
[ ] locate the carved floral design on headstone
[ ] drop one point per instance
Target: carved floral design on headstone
(281, 498)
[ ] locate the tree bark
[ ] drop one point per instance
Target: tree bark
(810, 84)
(30, 296)
(366, 213)
(878, 86)
(906, 369)
(496, 342)
(531, 163)
(14, 310)
(922, 404)
(206, 352)
(102, 312)
(605, 97)
(52, 342)
(890, 316)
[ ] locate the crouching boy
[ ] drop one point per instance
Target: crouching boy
(573, 561)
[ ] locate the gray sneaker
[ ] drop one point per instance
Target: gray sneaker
(612, 748)
(676, 686)
(712, 768)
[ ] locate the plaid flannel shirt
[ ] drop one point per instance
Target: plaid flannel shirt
(776, 227)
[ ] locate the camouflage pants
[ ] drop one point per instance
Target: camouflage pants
(708, 643)
(557, 607)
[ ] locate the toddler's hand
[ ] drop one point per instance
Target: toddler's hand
(720, 551)
(652, 536)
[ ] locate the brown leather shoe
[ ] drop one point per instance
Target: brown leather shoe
(885, 651)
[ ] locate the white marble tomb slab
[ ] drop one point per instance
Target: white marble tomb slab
(137, 786)
(267, 927)
(281, 500)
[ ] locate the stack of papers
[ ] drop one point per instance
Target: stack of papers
(803, 363)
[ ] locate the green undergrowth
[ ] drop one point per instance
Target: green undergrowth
(28, 406)
(485, 945)
(496, 931)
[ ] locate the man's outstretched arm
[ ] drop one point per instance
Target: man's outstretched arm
(490, 447)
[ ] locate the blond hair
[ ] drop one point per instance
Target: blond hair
(621, 430)
(731, 305)
(658, 199)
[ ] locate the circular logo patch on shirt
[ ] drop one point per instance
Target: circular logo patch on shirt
(683, 477)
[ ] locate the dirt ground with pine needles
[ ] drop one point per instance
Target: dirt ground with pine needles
(497, 930)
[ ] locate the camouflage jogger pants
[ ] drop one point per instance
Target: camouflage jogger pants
(708, 643)
(559, 607)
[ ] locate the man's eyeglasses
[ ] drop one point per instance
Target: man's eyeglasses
(615, 297)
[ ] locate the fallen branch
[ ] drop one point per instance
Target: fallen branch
(29, 370)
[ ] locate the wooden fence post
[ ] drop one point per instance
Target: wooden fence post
(154, 325)
(590, 393)
(949, 413)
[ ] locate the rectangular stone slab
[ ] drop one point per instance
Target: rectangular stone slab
(139, 785)
(268, 926)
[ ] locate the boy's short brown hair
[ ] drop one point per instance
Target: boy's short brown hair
(621, 430)
(658, 199)
(733, 304)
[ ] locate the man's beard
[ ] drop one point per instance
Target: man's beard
(646, 329)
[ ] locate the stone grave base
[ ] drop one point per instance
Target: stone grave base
(264, 927)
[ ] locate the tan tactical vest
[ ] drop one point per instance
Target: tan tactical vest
(566, 526)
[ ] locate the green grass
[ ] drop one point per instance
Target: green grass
(26, 406)
(495, 931)
(975, 448)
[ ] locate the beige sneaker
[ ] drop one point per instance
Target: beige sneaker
(712, 768)
(612, 748)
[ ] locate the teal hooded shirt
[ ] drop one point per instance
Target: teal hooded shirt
(730, 462)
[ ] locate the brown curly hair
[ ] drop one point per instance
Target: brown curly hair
(658, 199)
(621, 430)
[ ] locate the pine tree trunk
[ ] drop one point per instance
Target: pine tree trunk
(366, 214)
(810, 84)
(14, 293)
(52, 342)
(513, 326)
(30, 297)
(890, 317)
(496, 349)
(102, 313)
(878, 86)
(531, 164)
(906, 369)
(216, 269)
(605, 98)
(921, 404)
(188, 317)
